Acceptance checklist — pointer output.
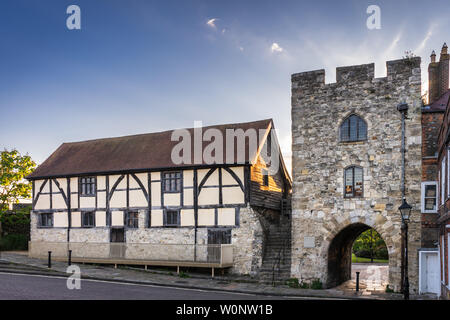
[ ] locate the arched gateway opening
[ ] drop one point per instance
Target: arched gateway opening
(340, 254)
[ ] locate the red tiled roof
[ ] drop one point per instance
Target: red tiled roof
(439, 105)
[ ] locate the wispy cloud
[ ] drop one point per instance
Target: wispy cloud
(428, 35)
(212, 22)
(276, 47)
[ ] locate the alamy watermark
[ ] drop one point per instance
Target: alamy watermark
(73, 21)
(211, 147)
(74, 280)
(374, 20)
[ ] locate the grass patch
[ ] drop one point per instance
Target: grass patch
(356, 259)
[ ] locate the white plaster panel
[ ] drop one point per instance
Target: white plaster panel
(172, 199)
(188, 197)
(206, 217)
(76, 219)
(187, 217)
(74, 184)
(119, 199)
(156, 193)
(157, 218)
(87, 202)
(43, 202)
(101, 182)
(142, 177)
(208, 196)
(58, 202)
(156, 175)
(60, 219)
(137, 199)
(226, 217)
(74, 200)
(117, 218)
(188, 178)
(232, 195)
(100, 219)
(101, 199)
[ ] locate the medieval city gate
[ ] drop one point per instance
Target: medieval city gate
(340, 253)
(346, 164)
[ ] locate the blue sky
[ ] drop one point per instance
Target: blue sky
(140, 66)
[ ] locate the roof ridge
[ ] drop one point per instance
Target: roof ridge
(165, 131)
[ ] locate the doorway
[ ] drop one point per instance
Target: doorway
(117, 243)
(358, 248)
(217, 237)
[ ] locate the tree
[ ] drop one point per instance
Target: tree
(369, 243)
(13, 169)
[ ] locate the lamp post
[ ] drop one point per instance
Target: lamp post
(405, 211)
(405, 208)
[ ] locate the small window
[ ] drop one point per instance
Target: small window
(46, 220)
(353, 182)
(88, 219)
(87, 186)
(172, 218)
(429, 197)
(133, 219)
(354, 128)
(172, 181)
(265, 177)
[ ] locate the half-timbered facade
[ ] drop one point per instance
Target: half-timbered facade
(128, 190)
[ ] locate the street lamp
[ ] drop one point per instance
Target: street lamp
(405, 211)
(405, 208)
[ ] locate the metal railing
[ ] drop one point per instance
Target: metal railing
(208, 254)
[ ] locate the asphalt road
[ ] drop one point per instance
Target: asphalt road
(25, 287)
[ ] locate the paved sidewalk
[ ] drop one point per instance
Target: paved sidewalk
(19, 262)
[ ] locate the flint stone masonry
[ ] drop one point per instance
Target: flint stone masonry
(319, 160)
(155, 243)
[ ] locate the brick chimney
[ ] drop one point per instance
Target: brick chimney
(438, 75)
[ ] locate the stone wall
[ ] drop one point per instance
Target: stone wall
(248, 241)
(155, 243)
(320, 210)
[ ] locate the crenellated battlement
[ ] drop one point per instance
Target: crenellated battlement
(400, 69)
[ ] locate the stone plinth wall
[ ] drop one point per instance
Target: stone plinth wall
(320, 210)
(156, 243)
(248, 242)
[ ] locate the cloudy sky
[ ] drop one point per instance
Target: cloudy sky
(140, 66)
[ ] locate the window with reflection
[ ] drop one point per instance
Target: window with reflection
(353, 178)
(354, 128)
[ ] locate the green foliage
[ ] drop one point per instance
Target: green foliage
(13, 169)
(183, 275)
(292, 283)
(14, 242)
(295, 283)
(316, 284)
(16, 222)
(370, 245)
(389, 290)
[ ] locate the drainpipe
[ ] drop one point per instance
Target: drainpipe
(403, 109)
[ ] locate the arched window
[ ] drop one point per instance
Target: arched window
(354, 128)
(353, 180)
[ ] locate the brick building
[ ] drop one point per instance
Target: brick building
(439, 82)
(432, 117)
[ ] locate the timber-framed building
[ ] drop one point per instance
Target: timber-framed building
(123, 198)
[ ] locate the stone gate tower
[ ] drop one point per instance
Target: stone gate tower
(346, 140)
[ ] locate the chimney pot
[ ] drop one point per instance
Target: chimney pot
(444, 49)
